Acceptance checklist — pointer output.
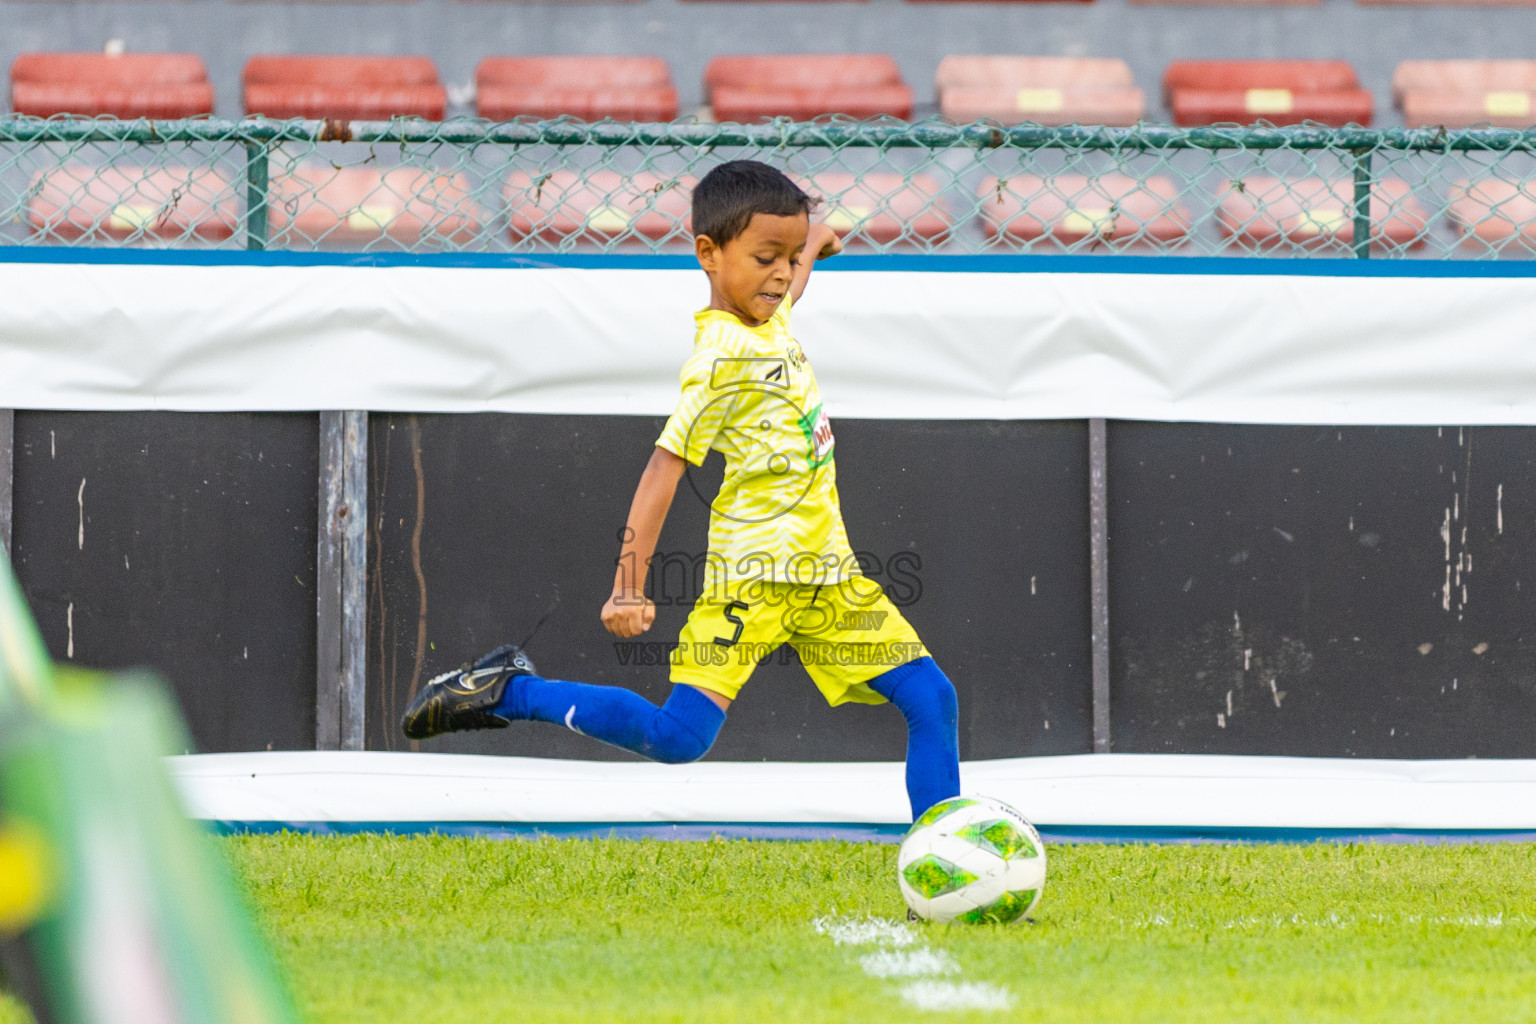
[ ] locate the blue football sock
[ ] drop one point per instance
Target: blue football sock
(681, 730)
(926, 698)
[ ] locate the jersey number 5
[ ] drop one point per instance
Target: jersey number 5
(740, 625)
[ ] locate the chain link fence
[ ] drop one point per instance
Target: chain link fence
(535, 187)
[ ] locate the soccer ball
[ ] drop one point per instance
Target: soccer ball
(973, 860)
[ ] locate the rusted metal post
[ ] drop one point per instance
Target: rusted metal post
(341, 581)
(1098, 556)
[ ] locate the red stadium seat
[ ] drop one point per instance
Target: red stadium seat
(598, 206)
(1233, 3)
(1448, 3)
(1462, 76)
(806, 86)
(1230, 75)
(345, 88)
(1071, 207)
(121, 202)
(158, 85)
(591, 88)
(1315, 213)
(1495, 214)
(881, 207)
(1046, 90)
(1461, 93)
(1203, 92)
(353, 206)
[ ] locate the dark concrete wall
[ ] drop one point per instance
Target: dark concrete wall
(1274, 590)
(483, 525)
(1348, 591)
(182, 542)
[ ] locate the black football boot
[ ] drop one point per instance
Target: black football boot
(466, 698)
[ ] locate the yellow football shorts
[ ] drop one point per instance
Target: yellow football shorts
(845, 634)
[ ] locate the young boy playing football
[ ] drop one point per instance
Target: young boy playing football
(779, 566)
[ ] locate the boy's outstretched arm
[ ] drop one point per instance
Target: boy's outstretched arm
(823, 242)
(627, 612)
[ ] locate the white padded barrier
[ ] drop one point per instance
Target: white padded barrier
(1291, 341)
(1112, 796)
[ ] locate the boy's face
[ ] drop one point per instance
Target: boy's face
(750, 275)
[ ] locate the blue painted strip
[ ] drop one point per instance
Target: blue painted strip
(1228, 266)
(886, 833)
(925, 263)
(246, 258)
(575, 830)
(1217, 834)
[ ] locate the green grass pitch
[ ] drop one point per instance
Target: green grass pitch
(428, 929)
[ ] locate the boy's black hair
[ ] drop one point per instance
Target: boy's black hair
(725, 199)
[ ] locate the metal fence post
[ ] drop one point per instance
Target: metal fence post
(257, 173)
(1362, 204)
(341, 582)
(7, 476)
(1098, 556)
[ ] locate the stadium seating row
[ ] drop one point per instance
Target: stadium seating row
(1211, 3)
(411, 205)
(1048, 90)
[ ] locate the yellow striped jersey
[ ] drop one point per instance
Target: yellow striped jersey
(750, 394)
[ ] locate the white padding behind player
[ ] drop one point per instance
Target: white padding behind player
(1119, 790)
(1216, 347)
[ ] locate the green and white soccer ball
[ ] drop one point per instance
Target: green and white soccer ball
(973, 860)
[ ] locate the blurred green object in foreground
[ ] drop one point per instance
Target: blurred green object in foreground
(25, 672)
(116, 907)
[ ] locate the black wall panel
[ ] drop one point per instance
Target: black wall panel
(1276, 590)
(480, 526)
(183, 542)
(1347, 591)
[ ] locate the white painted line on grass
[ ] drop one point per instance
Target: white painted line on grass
(865, 931)
(896, 957)
(956, 995)
(916, 963)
